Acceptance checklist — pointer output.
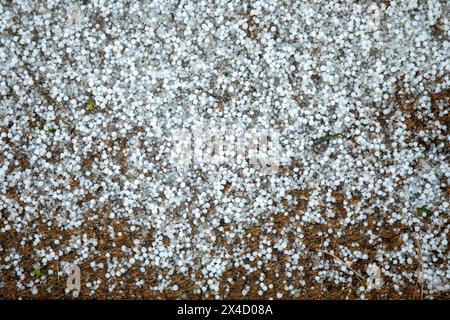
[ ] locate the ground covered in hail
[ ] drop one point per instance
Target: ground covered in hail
(112, 187)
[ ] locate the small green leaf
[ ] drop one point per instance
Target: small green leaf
(320, 140)
(426, 211)
(325, 138)
(51, 130)
(91, 106)
(37, 272)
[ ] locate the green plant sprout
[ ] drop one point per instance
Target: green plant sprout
(325, 139)
(91, 106)
(37, 272)
(426, 211)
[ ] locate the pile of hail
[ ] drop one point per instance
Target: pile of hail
(98, 99)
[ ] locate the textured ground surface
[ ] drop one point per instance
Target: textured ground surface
(92, 94)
